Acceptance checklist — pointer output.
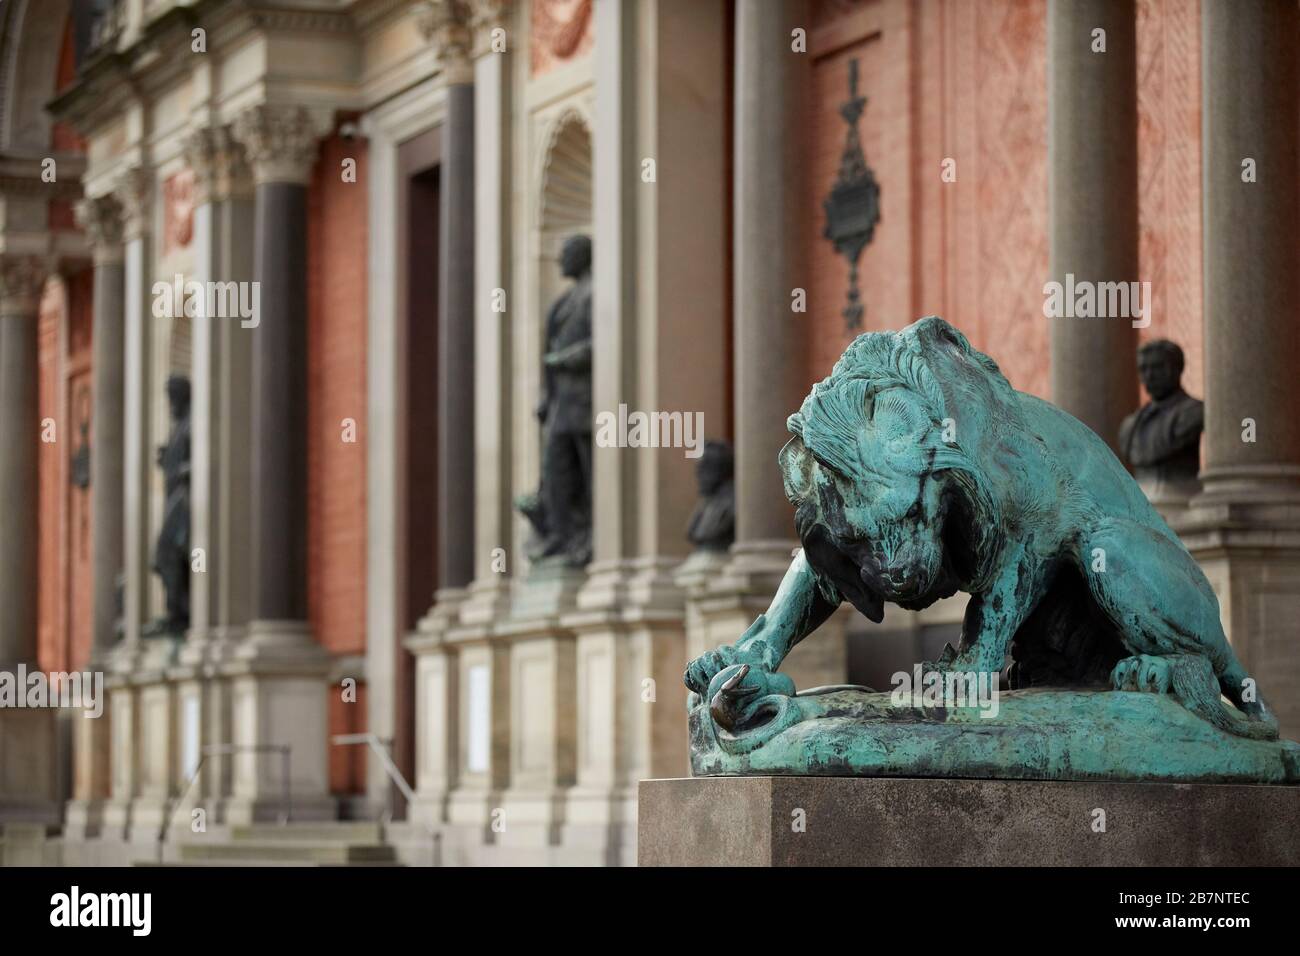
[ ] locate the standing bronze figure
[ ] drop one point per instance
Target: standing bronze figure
(171, 560)
(560, 511)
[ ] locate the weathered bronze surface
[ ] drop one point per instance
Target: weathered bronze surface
(916, 471)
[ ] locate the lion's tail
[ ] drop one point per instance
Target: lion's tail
(1198, 688)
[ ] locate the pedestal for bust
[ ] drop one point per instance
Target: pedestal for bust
(901, 821)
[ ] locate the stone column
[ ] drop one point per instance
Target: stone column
(469, 613)
(456, 296)
(1245, 526)
(659, 346)
(134, 190)
(28, 766)
(219, 490)
(1092, 194)
(101, 218)
(21, 281)
(769, 379)
(279, 672)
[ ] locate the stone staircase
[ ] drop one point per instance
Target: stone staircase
(294, 844)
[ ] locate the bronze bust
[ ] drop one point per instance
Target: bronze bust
(1161, 441)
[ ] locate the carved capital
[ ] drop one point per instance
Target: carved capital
(21, 279)
(135, 192)
(446, 25)
(280, 142)
(104, 222)
(485, 17)
(220, 168)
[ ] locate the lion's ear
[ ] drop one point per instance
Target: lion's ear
(794, 424)
(796, 470)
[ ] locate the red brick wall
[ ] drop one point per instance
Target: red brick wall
(336, 390)
(51, 608)
(968, 81)
(944, 79)
(1169, 174)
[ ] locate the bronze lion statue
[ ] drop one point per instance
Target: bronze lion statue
(916, 471)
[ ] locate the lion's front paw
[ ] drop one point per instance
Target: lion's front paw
(700, 672)
(1145, 672)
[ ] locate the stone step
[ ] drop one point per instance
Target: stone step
(346, 831)
(288, 851)
(255, 862)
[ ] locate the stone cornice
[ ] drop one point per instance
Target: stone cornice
(280, 141)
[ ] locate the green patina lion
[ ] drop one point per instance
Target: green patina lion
(917, 471)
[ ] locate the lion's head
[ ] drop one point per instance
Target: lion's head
(887, 505)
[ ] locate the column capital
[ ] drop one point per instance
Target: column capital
(103, 220)
(135, 192)
(446, 24)
(486, 16)
(22, 277)
(220, 167)
(279, 140)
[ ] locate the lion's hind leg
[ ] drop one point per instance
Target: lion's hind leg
(1167, 616)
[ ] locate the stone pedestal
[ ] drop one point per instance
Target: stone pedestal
(29, 773)
(631, 724)
(92, 742)
(203, 722)
(543, 716)
(437, 728)
(279, 680)
(123, 775)
(866, 821)
(482, 744)
(156, 739)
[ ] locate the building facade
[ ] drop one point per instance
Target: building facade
(390, 182)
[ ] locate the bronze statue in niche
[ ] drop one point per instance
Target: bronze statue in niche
(560, 510)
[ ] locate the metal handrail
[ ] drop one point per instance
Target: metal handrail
(214, 750)
(380, 747)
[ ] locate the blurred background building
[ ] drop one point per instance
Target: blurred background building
(397, 177)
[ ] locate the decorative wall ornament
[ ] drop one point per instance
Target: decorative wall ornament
(445, 24)
(280, 141)
(853, 206)
(178, 210)
(21, 279)
(102, 220)
(561, 30)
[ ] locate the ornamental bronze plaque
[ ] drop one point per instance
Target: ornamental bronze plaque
(853, 206)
